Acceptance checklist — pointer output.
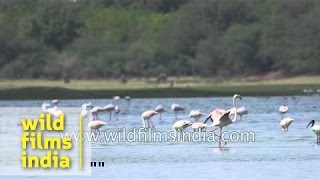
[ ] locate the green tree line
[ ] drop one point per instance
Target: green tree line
(85, 39)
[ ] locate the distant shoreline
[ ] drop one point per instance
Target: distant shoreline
(33, 93)
(26, 89)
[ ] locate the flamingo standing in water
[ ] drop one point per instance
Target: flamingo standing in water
(240, 111)
(86, 108)
(196, 114)
(285, 123)
(117, 111)
(176, 108)
(222, 119)
(283, 109)
(160, 109)
(55, 111)
(146, 116)
(97, 109)
(316, 129)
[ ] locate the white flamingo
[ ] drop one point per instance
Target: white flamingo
(160, 109)
(146, 116)
(240, 111)
(196, 114)
(117, 111)
(285, 123)
(176, 108)
(55, 102)
(55, 111)
(181, 125)
(86, 108)
(96, 125)
(316, 129)
(283, 109)
(116, 99)
(222, 119)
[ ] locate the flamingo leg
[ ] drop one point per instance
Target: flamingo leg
(143, 123)
(220, 138)
(151, 122)
(110, 115)
(148, 120)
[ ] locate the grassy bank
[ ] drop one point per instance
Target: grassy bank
(139, 88)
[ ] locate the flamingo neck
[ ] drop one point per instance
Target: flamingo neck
(236, 108)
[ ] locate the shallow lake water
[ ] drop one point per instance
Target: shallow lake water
(274, 154)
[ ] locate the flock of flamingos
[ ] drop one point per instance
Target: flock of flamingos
(218, 118)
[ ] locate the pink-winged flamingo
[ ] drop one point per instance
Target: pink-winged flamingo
(97, 109)
(96, 125)
(146, 116)
(285, 123)
(222, 119)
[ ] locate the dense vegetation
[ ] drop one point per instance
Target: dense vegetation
(140, 38)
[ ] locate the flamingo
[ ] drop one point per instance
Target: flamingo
(181, 125)
(316, 129)
(176, 108)
(97, 109)
(128, 99)
(117, 111)
(96, 124)
(55, 102)
(283, 109)
(285, 123)
(146, 116)
(198, 126)
(240, 111)
(116, 99)
(86, 107)
(160, 109)
(47, 108)
(222, 119)
(196, 114)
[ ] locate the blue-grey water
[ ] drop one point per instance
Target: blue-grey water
(274, 154)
